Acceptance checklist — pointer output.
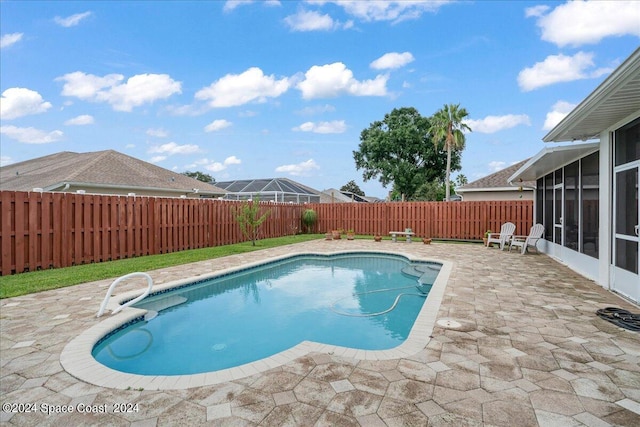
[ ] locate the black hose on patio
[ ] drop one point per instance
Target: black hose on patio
(620, 317)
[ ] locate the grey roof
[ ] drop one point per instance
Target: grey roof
(280, 185)
(498, 181)
(333, 195)
(107, 168)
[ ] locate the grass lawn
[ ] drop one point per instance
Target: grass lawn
(42, 280)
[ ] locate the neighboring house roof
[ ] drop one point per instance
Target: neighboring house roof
(615, 99)
(99, 169)
(334, 195)
(498, 181)
(268, 185)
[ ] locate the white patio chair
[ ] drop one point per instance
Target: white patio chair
(526, 241)
(502, 238)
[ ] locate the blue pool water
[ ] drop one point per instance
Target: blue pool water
(362, 301)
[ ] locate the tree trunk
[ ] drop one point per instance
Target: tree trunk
(447, 173)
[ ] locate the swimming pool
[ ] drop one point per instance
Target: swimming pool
(76, 358)
(363, 301)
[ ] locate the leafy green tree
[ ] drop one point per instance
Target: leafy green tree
(200, 176)
(430, 191)
(352, 187)
(398, 150)
(447, 128)
(249, 219)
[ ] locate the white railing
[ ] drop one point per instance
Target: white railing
(128, 303)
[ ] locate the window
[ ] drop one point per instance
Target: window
(571, 205)
(627, 148)
(540, 201)
(590, 181)
(548, 207)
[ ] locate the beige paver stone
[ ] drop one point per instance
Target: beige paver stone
(467, 408)
(556, 402)
(458, 379)
(183, 413)
(331, 372)
(552, 419)
(601, 389)
(330, 418)
(284, 398)
(451, 419)
(416, 371)
(430, 408)
(371, 420)
(390, 407)
(149, 422)
(508, 413)
(369, 381)
(415, 418)
(355, 403)
(410, 391)
(623, 417)
(313, 392)
(590, 420)
(221, 410)
(293, 414)
(273, 382)
(393, 375)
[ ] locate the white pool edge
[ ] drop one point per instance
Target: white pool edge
(77, 360)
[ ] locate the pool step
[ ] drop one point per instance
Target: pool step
(162, 303)
(425, 272)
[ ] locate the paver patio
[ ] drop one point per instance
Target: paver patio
(530, 351)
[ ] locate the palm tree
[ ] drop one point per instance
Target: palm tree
(447, 126)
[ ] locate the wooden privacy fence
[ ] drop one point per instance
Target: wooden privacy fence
(440, 220)
(45, 230)
(51, 230)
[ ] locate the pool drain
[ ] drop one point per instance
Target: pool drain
(218, 347)
(449, 324)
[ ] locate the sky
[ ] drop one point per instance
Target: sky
(265, 89)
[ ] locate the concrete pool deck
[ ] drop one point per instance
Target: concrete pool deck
(530, 351)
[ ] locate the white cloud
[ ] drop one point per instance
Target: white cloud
(305, 20)
(301, 169)
(9, 39)
(558, 112)
(230, 5)
(71, 21)
(492, 124)
(218, 166)
(171, 148)
(395, 11)
(238, 89)
(559, 68)
(336, 126)
(31, 135)
(217, 125)
(157, 159)
(392, 60)
(17, 102)
(157, 133)
(137, 90)
(5, 160)
(496, 166)
(81, 120)
(323, 81)
(535, 11)
(577, 23)
(317, 109)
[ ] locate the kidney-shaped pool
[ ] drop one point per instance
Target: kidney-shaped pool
(358, 300)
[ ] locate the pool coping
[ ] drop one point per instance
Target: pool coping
(77, 360)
